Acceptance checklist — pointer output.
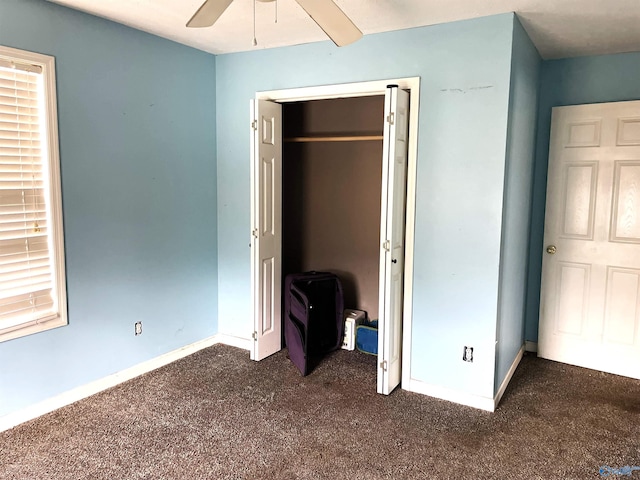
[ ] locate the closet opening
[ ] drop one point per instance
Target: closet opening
(331, 178)
(358, 145)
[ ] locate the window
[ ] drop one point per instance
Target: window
(32, 281)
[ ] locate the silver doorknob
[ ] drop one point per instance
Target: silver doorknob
(551, 249)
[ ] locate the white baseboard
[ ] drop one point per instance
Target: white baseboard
(464, 398)
(507, 378)
(455, 396)
(531, 346)
(67, 398)
(233, 341)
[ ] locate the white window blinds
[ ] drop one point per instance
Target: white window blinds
(27, 277)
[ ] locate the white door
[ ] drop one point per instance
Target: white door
(590, 298)
(266, 225)
(394, 173)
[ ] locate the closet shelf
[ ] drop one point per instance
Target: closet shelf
(333, 138)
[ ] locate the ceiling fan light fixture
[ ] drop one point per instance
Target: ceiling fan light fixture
(329, 17)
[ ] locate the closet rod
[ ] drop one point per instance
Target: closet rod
(340, 138)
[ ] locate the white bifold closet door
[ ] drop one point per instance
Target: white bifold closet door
(392, 223)
(266, 227)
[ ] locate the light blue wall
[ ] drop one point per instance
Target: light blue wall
(523, 105)
(465, 76)
(138, 150)
(596, 79)
(137, 145)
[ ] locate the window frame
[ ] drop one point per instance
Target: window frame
(50, 157)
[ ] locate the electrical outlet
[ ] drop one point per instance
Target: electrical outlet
(467, 354)
(138, 328)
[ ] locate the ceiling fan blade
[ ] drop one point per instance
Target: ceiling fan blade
(332, 20)
(208, 13)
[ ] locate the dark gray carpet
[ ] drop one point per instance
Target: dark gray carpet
(217, 415)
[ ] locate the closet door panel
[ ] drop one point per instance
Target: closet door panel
(266, 229)
(394, 172)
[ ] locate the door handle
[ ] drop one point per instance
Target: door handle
(551, 249)
(394, 260)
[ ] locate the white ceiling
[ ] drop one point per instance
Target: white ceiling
(559, 28)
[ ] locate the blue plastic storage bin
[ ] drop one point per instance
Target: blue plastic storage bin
(367, 337)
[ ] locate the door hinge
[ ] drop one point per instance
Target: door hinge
(391, 118)
(254, 125)
(254, 232)
(386, 245)
(254, 335)
(383, 365)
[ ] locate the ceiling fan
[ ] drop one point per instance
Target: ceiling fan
(325, 13)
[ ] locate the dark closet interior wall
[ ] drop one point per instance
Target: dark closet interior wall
(331, 194)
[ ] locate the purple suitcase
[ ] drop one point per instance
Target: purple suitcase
(313, 317)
